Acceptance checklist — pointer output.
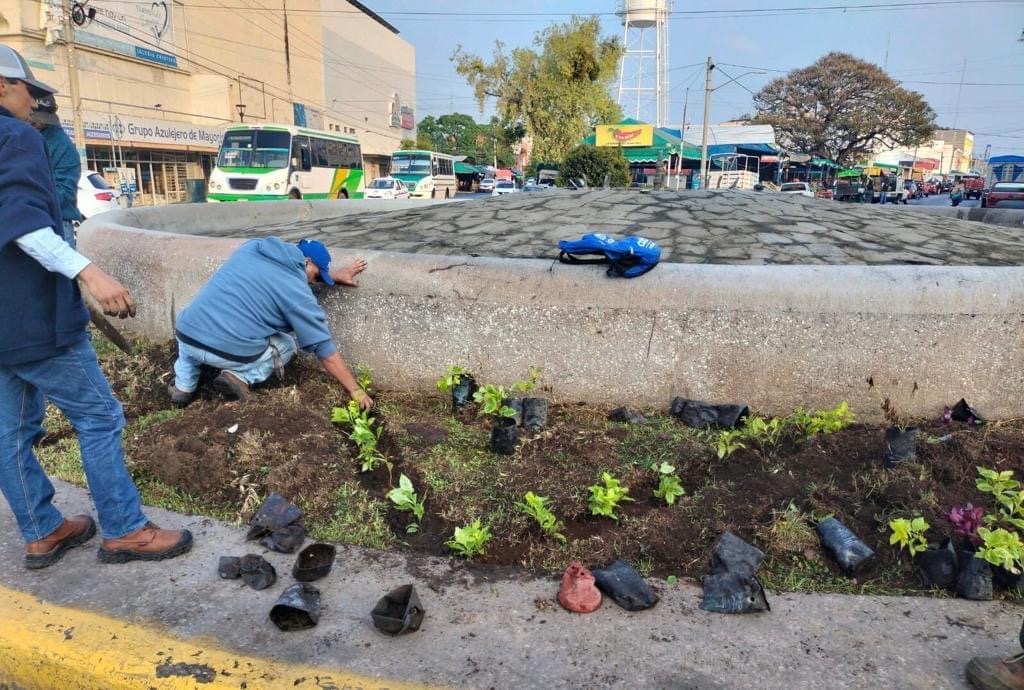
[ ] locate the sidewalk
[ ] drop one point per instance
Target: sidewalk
(177, 625)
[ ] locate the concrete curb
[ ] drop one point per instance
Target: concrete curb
(485, 628)
(1008, 217)
(774, 337)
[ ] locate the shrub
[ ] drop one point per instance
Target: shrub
(1002, 548)
(605, 499)
(592, 163)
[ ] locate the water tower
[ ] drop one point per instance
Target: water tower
(643, 74)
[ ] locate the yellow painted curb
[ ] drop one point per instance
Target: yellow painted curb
(45, 647)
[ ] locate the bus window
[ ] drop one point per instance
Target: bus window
(301, 158)
(319, 151)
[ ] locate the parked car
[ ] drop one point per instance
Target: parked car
(1004, 195)
(386, 188)
(801, 188)
(504, 187)
(486, 184)
(530, 180)
(530, 187)
(95, 196)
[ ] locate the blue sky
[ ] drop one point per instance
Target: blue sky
(925, 44)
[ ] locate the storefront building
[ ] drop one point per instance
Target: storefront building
(159, 82)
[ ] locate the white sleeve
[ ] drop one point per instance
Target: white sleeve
(52, 252)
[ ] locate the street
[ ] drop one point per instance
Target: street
(943, 200)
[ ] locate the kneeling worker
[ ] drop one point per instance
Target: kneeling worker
(254, 313)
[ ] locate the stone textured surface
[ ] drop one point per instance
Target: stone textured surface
(720, 227)
(501, 628)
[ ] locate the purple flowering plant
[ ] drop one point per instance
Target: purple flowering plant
(966, 521)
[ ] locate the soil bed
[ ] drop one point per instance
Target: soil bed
(229, 455)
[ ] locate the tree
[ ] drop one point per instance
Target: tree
(407, 145)
(459, 134)
(593, 163)
(554, 93)
(843, 108)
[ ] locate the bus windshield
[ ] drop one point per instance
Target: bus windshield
(410, 163)
(255, 149)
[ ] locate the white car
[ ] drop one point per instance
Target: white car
(801, 188)
(504, 187)
(487, 184)
(95, 196)
(386, 188)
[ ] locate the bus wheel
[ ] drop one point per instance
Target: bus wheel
(342, 194)
(294, 194)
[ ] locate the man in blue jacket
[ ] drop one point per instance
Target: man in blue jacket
(252, 316)
(45, 352)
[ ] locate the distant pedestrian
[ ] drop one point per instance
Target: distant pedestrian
(883, 189)
(64, 162)
(869, 191)
(956, 195)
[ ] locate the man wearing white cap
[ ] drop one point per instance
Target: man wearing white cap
(45, 352)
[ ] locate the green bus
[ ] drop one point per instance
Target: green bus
(275, 162)
(427, 174)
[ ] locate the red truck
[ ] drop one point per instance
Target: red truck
(974, 185)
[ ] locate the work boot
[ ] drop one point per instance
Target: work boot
(230, 386)
(990, 673)
(179, 398)
(147, 544)
(49, 549)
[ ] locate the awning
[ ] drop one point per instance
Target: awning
(885, 166)
(823, 163)
(849, 172)
(466, 169)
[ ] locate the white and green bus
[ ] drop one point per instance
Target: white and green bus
(274, 162)
(427, 174)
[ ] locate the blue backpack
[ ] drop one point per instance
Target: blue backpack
(629, 257)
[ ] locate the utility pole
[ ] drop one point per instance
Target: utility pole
(76, 99)
(682, 142)
(956, 113)
(704, 133)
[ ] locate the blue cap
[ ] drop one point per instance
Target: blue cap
(318, 254)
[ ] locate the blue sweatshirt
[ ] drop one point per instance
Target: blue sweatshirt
(40, 312)
(67, 169)
(261, 290)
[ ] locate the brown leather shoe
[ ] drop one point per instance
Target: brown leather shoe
(988, 673)
(48, 550)
(230, 386)
(147, 544)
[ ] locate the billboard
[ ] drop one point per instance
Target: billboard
(624, 135)
(144, 31)
(129, 129)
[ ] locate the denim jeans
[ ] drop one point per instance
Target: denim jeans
(883, 197)
(186, 368)
(73, 381)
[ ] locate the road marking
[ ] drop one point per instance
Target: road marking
(45, 646)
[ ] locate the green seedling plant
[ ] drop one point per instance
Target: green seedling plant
(669, 486)
(491, 400)
(809, 424)
(451, 378)
(529, 384)
(764, 432)
(727, 442)
(404, 498)
(365, 379)
(1006, 492)
(604, 500)
(362, 433)
(909, 534)
(537, 507)
(1001, 547)
(469, 541)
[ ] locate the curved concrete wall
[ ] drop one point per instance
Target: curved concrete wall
(772, 336)
(1010, 217)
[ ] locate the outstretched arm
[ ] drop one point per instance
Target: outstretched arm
(336, 367)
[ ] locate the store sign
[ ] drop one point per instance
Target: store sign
(127, 130)
(408, 118)
(624, 135)
(144, 31)
(395, 111)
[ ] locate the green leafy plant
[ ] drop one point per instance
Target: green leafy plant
(764, 432)
(364, 378)
(363, 434)
(669, 486)
(810, 424)
(1008, 496)
(529, 384)
(728, 441)
(451, 378)
(605, 499)
(909, 534)
(537, 507)
(345, 415)
(469, 541)
(1001, 547)
(491, 400)
(405, 499)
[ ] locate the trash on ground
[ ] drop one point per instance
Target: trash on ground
(733, 555)
(314, 562)
(846, 549)
(578, 592)
(625, 586)
(701, 415)
(298, 608)
(535, 413)
(399, 611)
(256, 572)
(962, 412)
(733, 593)
(626, 415)
(276, 525)
(975, 581)
(229, 567)
(900, 446)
